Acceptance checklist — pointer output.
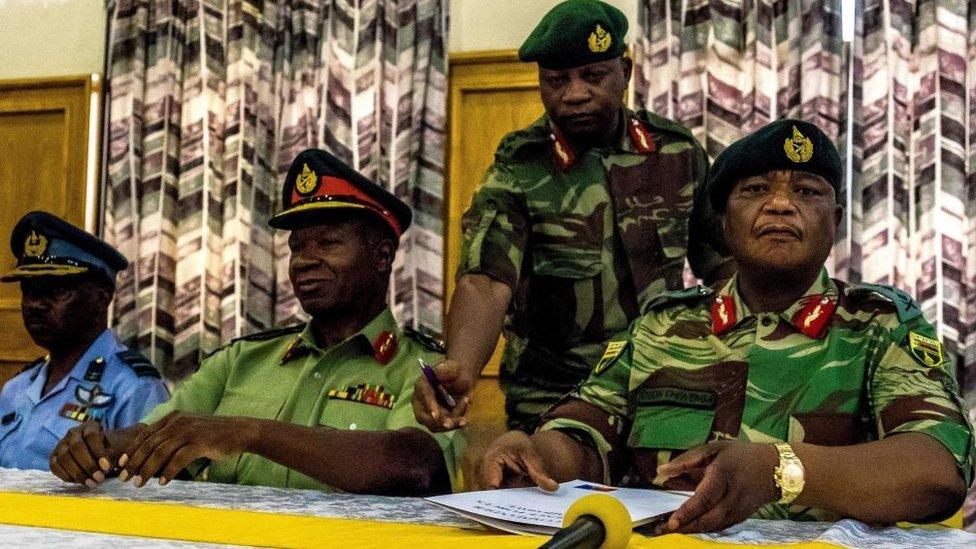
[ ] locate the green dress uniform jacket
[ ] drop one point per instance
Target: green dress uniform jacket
(363, 383)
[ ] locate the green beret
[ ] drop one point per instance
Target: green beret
(576, 33)
(782, 145)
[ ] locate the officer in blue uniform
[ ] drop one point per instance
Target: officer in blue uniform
(67, 280)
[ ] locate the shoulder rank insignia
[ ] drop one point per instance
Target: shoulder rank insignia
(365, 394)
(427, 340)
(723, 314)
(296, 349)
(139, 363)
(928, 351)
(641, 138)
(385, 347)
(613, 350)
(906, 306)
(812, 320)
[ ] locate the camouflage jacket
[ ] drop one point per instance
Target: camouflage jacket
(698, 367)
(584, 239)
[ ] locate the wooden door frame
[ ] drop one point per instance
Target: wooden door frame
(79, 98)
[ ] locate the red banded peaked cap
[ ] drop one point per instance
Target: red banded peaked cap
(319, 184)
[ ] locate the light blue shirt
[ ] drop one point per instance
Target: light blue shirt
(32, 425)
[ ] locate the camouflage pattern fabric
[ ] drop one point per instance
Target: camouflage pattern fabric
(584, 244)
(674, 384)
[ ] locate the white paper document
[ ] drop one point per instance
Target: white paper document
(533, 510)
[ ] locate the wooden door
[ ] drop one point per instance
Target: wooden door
(492, 94)
(44, 144)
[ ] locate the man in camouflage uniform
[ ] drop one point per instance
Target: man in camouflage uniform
(583, 217)
(769, 394)
(323, 406)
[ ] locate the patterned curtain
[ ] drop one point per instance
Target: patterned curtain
(209, 102)
(725, 68)
(914, 199)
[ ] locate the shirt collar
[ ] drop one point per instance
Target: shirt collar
(379, 337)
(103, 346)
(823, 291)
(635, 138)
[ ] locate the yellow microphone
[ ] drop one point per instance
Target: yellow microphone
(594, 521)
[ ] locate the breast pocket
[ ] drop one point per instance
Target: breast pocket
(7, 428)
(352, 415)
(670, 427)
(567, 245)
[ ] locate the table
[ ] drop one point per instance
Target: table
(38, 509)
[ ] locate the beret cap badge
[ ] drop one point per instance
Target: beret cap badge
(35, 245)
(307, 181)
(798, 148)
(600, 40)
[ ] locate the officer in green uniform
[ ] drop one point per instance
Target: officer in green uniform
(782, 393)
(584, 216)
(322, 406)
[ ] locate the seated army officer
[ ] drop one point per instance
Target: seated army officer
(325, 406)
(67, 280)
(784, 393)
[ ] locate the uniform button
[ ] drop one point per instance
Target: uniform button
(352, 426)
(317, 375)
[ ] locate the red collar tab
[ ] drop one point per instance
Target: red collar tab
(385, 348)
(814, 318)
(723, 314)
(641, 138)
(330, 188)
(562, 151)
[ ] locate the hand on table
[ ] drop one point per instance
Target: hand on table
(166, 447)
(86, 454)
(459, 382)
(736, 480)
(512, 461)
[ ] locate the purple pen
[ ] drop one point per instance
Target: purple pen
(442, 395)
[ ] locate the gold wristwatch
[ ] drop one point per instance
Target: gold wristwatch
(789, 474)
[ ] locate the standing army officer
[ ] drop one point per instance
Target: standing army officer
(584, 216)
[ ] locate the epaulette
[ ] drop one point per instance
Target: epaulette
(667, 299)
(661, 124)
(36, 362)
(426, 340)
(906, 306)
(270, 334)
(139, 363)
(536, 133)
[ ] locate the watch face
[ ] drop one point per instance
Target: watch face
(792, 477)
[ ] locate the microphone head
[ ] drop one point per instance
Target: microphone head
(608, 510)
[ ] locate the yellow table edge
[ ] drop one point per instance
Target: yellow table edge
(230, 526)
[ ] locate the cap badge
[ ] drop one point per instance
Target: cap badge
(35, 246)
(599, 40)
(798, 148)
(307, 182)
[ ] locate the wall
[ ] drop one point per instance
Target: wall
(504, 24)
(41, 38)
